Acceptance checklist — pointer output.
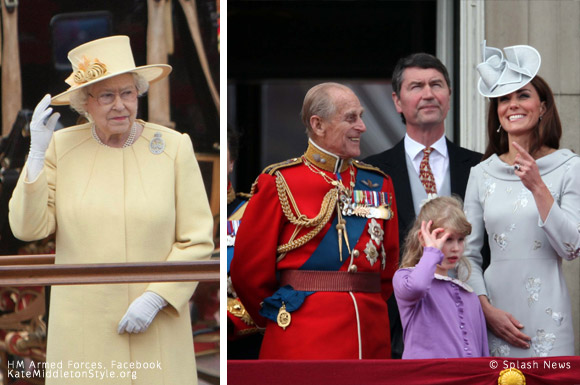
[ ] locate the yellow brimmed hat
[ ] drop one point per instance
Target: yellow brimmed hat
(102, 59)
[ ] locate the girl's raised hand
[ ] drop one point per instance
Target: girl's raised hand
(430, 238)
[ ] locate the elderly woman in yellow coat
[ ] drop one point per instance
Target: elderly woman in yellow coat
(116, 189)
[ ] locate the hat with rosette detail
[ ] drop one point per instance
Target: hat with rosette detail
(103, 59)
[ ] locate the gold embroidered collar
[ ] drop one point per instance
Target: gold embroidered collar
(324, 159)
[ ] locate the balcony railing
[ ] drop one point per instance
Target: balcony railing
(40, 270)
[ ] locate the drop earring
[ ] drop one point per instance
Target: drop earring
(499, 128)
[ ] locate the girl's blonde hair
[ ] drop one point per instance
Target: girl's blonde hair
(445, 212)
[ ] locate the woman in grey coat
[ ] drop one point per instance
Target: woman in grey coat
(526, 194)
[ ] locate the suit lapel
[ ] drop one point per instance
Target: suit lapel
(397, 166)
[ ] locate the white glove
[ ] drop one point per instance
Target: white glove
(141, 312)
(41, 130)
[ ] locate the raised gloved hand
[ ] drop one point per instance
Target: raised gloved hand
(41, 130)
(141, 313)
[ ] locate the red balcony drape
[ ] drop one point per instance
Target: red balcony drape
(465, 371)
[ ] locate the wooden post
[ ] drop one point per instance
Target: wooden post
(190, 10)
(11, 78)
(157, 48)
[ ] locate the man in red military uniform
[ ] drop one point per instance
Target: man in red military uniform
(318, 245)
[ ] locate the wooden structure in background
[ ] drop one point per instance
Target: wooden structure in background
(11, 76)
(190, 10)
(159, 45)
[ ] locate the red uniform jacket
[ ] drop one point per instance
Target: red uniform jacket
(328, 325)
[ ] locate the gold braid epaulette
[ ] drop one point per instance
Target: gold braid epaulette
(366, 166)
(301, 220)
(271, 169)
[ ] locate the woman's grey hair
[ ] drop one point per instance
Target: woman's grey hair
(78, 99)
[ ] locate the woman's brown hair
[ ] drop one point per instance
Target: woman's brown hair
(548, 130)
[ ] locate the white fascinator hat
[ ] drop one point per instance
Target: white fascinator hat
(501, 75)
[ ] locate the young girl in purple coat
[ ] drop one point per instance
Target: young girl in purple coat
(441, 316)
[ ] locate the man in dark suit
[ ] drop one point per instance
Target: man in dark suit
(421, 94)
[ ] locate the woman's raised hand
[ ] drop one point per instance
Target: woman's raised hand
(42, 126)
(41, 129)
(527, 170)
